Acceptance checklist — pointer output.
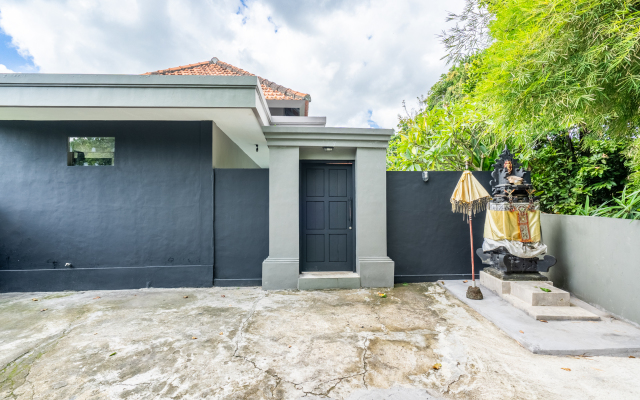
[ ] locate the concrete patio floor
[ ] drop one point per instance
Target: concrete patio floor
(245, 343)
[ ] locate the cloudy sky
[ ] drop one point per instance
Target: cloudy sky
(357, 58)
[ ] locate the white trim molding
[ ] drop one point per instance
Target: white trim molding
(331, 137)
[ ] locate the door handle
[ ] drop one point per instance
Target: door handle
(350, 212)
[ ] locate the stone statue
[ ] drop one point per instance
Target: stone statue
(512, 236)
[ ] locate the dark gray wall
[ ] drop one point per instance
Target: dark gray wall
(154, 208)
(425, 239)
(241, 226)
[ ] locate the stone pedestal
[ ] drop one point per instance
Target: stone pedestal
(529, 296)
(499, 282)
(536, 294)
(513, 277)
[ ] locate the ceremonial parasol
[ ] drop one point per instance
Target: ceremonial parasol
(469, 197)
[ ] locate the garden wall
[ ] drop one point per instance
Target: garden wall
(241, 226)
(598, 260)
(425, 239)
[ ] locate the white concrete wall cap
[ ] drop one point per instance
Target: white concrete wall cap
(321, 136)
(100, 80)
(298, 121)
(132, 91)
(327, 130)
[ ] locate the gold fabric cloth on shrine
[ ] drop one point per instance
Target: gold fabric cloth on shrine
(503, 225)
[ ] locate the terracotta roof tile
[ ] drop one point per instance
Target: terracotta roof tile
(271, 90)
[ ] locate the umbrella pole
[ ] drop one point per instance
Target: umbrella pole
(473, 272)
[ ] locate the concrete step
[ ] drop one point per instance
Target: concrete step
(501, 286)
(328, 280)
(532, 294)
(550, 313)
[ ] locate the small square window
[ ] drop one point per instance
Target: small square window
(292, 112)
(91, 151)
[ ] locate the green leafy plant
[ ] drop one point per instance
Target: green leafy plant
(552, 65)
(444, 138)
(558, 81)
(585, 209)
(627, 206)
(575, 173)
(447, 130)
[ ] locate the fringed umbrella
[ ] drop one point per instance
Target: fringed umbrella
(469, 197)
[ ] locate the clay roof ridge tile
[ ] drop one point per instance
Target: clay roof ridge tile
(230, 67)
(281, 90)
(197, 64)
(163, 71)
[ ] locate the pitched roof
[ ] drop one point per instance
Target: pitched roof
(271, 90)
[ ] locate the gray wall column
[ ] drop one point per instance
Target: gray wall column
(372, 263)
(281, 269)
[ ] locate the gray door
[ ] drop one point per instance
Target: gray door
(326, 216)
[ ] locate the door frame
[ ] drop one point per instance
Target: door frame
(353, 211)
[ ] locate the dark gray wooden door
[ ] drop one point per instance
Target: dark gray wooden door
(326, 216)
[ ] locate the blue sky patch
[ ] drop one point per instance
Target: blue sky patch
(372, 124)
(243, 4)
(10, 58)
(275, 27)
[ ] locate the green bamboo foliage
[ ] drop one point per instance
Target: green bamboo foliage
(558, 81)
(558, 64)
(447, 130)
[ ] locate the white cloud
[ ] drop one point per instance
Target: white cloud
(358, 59)
(4, 69)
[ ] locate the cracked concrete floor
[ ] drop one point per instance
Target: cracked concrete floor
(245, 343)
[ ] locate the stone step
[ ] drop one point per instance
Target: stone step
(550, 313)
(501, 286)
(328, 280)
(532, 294)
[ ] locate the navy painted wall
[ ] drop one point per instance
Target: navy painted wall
(425, 239)
(241, 226)
(154, 208)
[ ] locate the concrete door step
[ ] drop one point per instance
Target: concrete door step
(328, 280)
(552, 313)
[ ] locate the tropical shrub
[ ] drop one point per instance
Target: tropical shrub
(567, 170)
(558, 81)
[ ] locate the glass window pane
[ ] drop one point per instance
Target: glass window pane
(91, 151)
(292, 112)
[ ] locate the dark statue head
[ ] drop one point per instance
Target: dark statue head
(509, 175)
